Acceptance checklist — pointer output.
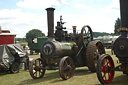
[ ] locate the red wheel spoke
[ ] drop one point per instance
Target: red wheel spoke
(102, 68)
(104, 75)
(107, 63)
(109, 75)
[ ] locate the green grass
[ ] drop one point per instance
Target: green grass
(82, 76)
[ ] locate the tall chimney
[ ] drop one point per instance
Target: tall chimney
(50, 20)
(124, 13)
(124, 17)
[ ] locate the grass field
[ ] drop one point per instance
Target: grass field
(82, 76)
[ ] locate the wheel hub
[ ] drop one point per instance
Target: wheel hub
(105, 69)
(37, 68)
(68, 68)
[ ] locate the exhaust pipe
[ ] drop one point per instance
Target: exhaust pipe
(124, 17)
(124, 13)
(50, 20)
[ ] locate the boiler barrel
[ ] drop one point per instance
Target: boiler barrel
(59, 49)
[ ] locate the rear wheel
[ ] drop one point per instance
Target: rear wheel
(105, 65)
(14, 67)
(93, 51)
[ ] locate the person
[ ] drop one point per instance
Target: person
(112, 48)
(27, 52)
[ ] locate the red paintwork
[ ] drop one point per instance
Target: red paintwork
(7, 39)
(107, 75)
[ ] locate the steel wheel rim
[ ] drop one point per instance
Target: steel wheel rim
(66, 68)
(106, 74)
(37, 68)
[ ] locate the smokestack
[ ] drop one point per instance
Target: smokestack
(124, 13)
(50, 20)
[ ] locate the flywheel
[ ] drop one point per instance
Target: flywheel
(86, 35)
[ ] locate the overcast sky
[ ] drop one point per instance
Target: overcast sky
(20, 16)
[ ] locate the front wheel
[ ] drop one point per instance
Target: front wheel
(66, 68)
(105, 72)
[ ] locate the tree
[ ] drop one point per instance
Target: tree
(117, 26)
(34, 33)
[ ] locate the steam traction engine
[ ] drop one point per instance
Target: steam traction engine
(66, 51)
(105, 64)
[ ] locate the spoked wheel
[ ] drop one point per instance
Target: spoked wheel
(105, 65)
(86, 35)
(93, 51)
(66, 68)
(37, 68)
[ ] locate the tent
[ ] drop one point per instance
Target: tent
(9, 54)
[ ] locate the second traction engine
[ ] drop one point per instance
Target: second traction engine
(105, 65)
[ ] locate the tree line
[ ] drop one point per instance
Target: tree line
(116, 26)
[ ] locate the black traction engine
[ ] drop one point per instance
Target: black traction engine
(105, 65)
